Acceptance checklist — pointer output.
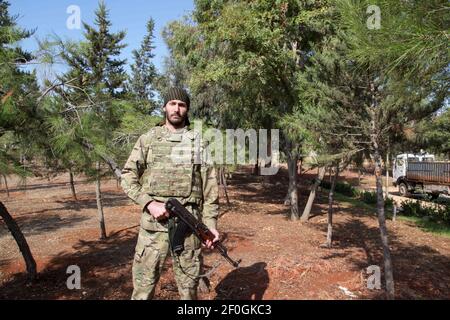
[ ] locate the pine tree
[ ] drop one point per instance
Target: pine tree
(89, 108)
(104, 70)
(143, 73)
(20, 122)
(433, 134)
(249, 53)
(404, 68)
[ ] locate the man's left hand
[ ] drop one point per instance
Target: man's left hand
(210, 244)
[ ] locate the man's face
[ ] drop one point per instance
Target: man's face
(176, 112)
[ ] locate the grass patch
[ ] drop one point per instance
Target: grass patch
(425, 223)
(345, 189)
(354, 202)
(434, 227)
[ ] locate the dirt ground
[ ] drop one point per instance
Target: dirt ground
(281, 259)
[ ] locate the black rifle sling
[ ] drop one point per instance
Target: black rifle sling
(177, 233)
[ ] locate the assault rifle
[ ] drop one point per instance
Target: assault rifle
(186, 223)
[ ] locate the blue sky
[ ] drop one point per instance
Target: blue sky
(50, 16)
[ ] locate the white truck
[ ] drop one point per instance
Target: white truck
(421, 173)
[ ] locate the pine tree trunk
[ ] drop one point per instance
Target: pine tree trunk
(21, 242)
(6, 185)
(22, 160)
(330, 208)
(383, 230)
(72, 185)
(224, 184)
(387, 174)
(293, 192)
(388, 268)
(98, 195)
(256, 168)
(287, 198)
(359, 176)
(312, 194)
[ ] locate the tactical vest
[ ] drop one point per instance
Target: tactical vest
(168, 175)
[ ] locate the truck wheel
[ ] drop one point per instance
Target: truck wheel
(433, 196)
(403, 189)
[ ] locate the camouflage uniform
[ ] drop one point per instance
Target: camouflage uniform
(150, 174)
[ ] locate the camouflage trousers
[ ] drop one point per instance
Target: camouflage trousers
(151, 252)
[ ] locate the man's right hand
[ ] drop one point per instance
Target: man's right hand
(157, 210)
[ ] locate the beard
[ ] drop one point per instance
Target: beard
(176, 119)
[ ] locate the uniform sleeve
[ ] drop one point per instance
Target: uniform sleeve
(210, 195)
(131, 173)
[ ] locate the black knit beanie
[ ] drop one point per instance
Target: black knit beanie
(176, 93)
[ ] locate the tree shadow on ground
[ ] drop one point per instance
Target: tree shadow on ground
(38, 224)
(244, 283)
(105, 272)
(272, 190)
(420, 271)
(109, 200)
(41, 186)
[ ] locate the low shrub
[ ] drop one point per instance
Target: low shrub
(341, 187)
(370, 197)
(435, 212)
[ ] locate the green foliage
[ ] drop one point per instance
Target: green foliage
(370, 197)
(333, 119)
(10, 155)
(133, 124)
(99, 61)
(88, 107)
(21, 124)
(432, 211)
(143, 73)
(410, 54)
(433, 134)
(435, 227)
(346, 189)
(341, 187)
(242, 57)
(412, 40)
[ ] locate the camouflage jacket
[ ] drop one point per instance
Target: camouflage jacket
(162, 165)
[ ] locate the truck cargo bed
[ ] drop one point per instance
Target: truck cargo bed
(437, 172)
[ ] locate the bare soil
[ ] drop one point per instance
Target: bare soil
(281, 259)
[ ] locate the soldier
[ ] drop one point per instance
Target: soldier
(149, 178)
